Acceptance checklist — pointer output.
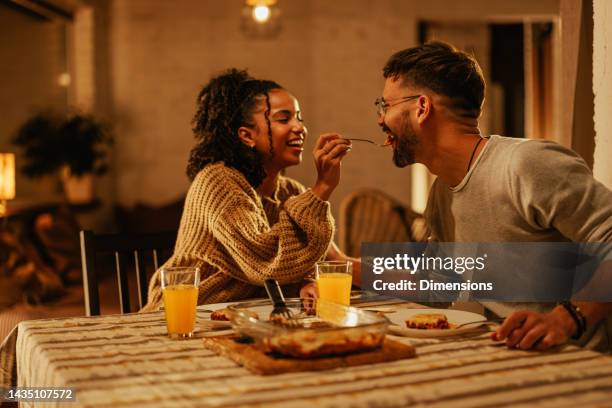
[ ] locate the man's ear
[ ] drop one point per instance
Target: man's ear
(424, 108)
(247, 136)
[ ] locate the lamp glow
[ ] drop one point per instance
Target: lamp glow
(261, 13)
(7, 180)
(64, 80)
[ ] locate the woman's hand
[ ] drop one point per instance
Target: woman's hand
(328, 153)
(309, 291)
(541, 331)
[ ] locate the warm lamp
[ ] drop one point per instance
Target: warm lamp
(7, 180)
(260, 18)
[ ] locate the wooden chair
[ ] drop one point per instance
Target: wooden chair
(370, 215)
(138, 247)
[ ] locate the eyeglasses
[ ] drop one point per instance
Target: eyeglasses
(382, 105)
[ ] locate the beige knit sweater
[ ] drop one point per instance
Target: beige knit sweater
(239, 239)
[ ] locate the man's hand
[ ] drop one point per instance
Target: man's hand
(309, 291)
(540, 331)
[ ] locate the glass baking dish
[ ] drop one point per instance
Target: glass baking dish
(325, 328)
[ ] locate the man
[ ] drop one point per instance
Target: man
(492, 189)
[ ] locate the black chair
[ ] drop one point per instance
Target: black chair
(155, 247)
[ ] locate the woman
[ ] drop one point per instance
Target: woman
(244, 222)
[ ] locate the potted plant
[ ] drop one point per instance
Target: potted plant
(75, 145)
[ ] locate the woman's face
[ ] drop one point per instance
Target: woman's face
(288, 131)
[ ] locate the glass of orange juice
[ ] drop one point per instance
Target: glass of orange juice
(180, 292)
(334, 280)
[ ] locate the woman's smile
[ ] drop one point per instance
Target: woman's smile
(296, 143)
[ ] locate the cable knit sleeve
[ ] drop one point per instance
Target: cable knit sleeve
(287, 250)
(226, 231)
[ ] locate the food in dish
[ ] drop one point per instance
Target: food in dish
(428, 321)
(310, 343)
(350, 330)
(279, 320)
(301, 321)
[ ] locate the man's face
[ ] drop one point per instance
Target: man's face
(396, 122)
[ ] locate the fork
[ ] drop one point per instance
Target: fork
(278, 300)
(382, 309)
(368, 141)
(480, 322)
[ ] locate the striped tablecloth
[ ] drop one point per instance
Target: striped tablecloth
(127, 361)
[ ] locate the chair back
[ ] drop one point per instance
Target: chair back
(370, 215)
(137, 250)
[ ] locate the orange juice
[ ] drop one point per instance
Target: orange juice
(335, 287)
(180, 303)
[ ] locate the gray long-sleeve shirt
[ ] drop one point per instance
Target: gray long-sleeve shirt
(522, 190)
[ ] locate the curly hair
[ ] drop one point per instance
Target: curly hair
(223, 105)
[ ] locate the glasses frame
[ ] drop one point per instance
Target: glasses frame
(382, 105)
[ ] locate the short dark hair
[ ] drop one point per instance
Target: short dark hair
(444, 70)
(223, 105)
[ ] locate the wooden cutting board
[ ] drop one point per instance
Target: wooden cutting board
(258, 362)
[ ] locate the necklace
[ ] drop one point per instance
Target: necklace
(473, 153)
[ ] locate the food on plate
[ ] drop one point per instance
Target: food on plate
(226, 315)
(309, 343)
(428, 321)
(221, 314)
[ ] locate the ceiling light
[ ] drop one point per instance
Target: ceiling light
(260, 18)
(261, 14)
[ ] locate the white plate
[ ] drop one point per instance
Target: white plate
(455, 317)
(214, 306)
(208, 324)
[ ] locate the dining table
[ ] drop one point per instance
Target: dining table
(129, 361)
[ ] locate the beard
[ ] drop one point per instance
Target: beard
(405, 144)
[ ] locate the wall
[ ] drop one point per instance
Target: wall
(583, 131)
(329, 54)
(349, 45)
(333, 69)
(152, 56)
(602, 88)
(32, 56)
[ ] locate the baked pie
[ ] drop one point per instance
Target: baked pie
(428, 321)
(302, 321)
(221, 314)
(311, 343)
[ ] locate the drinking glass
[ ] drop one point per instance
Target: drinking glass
(180, 292)
(334, 280)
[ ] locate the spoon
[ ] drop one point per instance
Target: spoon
(368, 141)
